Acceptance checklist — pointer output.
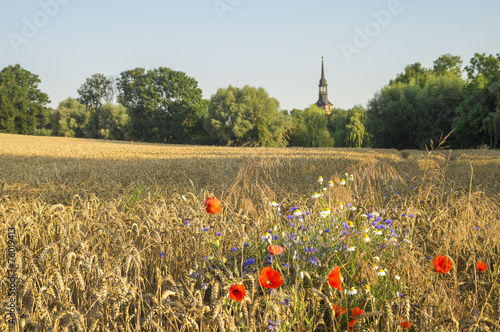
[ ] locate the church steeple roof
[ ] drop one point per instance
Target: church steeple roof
(323, 101)
(322, 81)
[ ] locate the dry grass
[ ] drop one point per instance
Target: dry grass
(103, 243)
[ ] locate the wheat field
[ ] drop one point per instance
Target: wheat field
(114, 236)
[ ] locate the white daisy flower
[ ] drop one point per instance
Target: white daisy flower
(351, 178)
(342, 182)
(273, 203)
(381, 273)
(325, 213)
(352, 291)
(330, 183)
(297, 213)
(378, 232)
(366, 238)
(397, 277)
(320, 179)
(376, 258)
(351, 248)
(367, 287)
(375, 214)
(316, 195)
(375, 267)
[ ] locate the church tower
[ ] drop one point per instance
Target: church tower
(323, 101)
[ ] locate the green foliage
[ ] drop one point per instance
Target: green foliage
(164, 105)
(70, 119)
(22, 104)
(114, 122)
(481, 98)
(310, 128)
(348, 127)
(246, 116)
(407, 115)
(413, 73)
(448, 64)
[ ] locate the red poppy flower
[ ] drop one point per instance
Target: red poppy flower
(212, 205)
(356, 312)
(237, 292)
(442, 264)
(339, 311)
(275, 250)
(270, 278)
(351, 324)
(481, 266)
(335, 279)
(406, 325)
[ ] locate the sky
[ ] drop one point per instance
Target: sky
(274, 44)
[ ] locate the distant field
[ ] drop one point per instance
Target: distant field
(96, 163)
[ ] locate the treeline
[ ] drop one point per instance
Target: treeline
(166, 106)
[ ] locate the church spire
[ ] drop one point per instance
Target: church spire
(323, 101)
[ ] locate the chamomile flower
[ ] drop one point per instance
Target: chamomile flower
(352, 248)
(320, 179)
(375, 214)
(273, 203)
(375, 267)
(297, 213)
(366, 238)
(397, 277)
(378, 232)
(381, 273)
(376, 258)
(365, 229)
(316, 195)
(351, 178)
(325, 213)
(367, 287)
(342, 182)
(352, 291)
(330, 183)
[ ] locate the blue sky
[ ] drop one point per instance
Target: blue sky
(274, 44)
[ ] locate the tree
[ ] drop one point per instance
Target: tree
(310, 128)
(407, 115)
(96, 91)
(22, 104)
(70, 119)
(246, 116)
(448, 63)
(164, 105)
(349, 128)
(413, 73)
(114, 122)
(479, 102)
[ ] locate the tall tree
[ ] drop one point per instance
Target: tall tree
(311, 128)
(480, 100)
(245, 116)
(70, 119)
(349, 128)
(413, 73)
(448, 63)
(96, 91)
(164, 105)
(22, 104)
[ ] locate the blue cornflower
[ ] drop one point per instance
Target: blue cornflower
(379, 219)
(345, 225)
(218, 234)
(275, 237)
(264, 238)
(294, 208)
(411, 187)
(246, 244)
(326, 230)
(388, 222)
(234, 249)
(401, 295)
(308, 212)
(274, 325)
(411, 215)
(290, 217)
(303, 228)
(163, 254)
(293, 236)
(369, 216)
(374, 223)
(314, 260)
(310, 250)
(285, 301)
(249, 261)
(288, 266)
(428, 258)
(205, 229)
(477, 228)
(403, 215)
(188, 222)
(383, 246)
(292, 224)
